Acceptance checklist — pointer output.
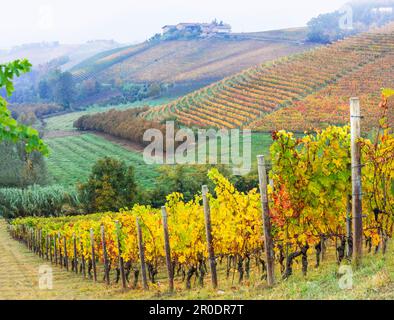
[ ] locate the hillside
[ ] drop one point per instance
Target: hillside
(193, 62)
(42, 53)
(330, 106)
(238, 100)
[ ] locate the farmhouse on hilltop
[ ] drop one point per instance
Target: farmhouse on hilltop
(204, 29)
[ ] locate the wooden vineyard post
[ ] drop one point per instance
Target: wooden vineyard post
(83, 264)
(121, 262)
(60, 253)
(39, 243)
(47, 247)
(142, 255)
(54, 248)
(323, 248)
(355, 120)
(75, 265)
(208, 230)
(93, 255)
(268, 244)
(65, 253)
(42, 245)
(29, 239)
(105, 256)
(167, 248)
(34, 240)
(348, 226)
(50, 248)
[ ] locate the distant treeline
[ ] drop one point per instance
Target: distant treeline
(125, 124)
(38, 109)
(358, 16)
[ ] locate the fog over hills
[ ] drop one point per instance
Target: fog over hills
(43, 52)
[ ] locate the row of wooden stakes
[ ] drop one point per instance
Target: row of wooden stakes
(33, 239)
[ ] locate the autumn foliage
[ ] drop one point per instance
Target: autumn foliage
(125, 124)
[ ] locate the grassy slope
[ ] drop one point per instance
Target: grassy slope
(19, 267)
(71, 159)
(203, 60)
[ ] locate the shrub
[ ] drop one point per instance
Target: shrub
(124, 124)
(36, 201)
(110, 187)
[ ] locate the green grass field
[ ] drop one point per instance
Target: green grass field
(260, 144)
(71, 159)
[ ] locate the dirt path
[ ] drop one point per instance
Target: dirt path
(19, 276)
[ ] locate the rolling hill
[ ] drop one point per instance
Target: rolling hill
(193, 62)
(266, 97)
(42, 53)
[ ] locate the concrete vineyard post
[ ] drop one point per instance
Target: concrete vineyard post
(167, 248)
(355, 120)
(268, 243)
(208, 230)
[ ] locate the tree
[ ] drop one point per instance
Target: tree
(64, 89)
(44, 90)
(111, 186)
(17, 167)
(185, 179)
(325, 28)
(154, 90)
(10, 129)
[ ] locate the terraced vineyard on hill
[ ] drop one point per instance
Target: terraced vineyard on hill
(330, 106)
(350, 66)
(195, 62)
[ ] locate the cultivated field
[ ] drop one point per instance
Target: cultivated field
(190, 61)
(19, 274)
(71, 159)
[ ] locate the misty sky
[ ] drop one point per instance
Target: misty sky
(128, 21)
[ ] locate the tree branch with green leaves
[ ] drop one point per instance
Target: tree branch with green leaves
(10, 129)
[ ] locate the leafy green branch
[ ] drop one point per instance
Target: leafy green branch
(10, 129)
